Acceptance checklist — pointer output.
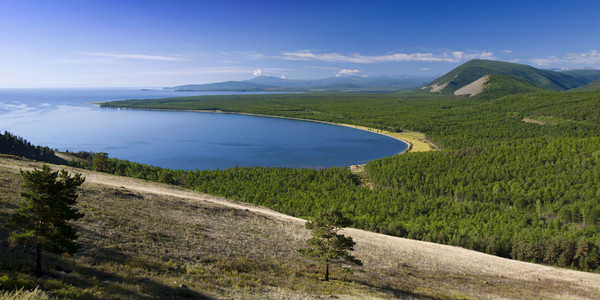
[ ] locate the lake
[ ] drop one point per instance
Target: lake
(65, 119)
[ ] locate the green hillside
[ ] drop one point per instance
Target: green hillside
(477, 68)
(594, 86)
(502, 85)
(587, 75)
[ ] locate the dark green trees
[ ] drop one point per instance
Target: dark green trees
(42, 217)
(100, 162)
(326, 245)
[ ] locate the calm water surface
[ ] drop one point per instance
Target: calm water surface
(65, 119)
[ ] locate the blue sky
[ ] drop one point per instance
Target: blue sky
(84, 43)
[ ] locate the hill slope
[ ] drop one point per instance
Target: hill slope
(586, 75)
(477, 68)
(593, 86)
(501, 85)
(146, 240)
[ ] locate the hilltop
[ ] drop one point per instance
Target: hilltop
(148, 240)
(477, 69)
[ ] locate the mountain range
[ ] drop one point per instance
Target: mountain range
(334, 84)
(470, 78)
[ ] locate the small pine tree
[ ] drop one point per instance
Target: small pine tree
(43, 215)
(100, 162)
(326, 245)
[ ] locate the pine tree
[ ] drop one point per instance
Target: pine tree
(326, 245)
(100, 162)
(42, 219)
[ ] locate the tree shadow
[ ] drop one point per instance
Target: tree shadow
(402, 294)
(80, 280)
(111, 281)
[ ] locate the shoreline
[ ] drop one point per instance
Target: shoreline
(408, 137)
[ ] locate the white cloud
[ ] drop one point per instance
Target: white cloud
(591, 57)
(204, 71)
(321, 68)
(455, 56)
(134, 56)
(425, 69)
(252, 55)
(507, 51)
(344, 72)
(218, 70)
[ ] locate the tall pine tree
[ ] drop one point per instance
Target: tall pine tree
(326, 245)
(42, 219)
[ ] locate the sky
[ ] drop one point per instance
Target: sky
(128, 43)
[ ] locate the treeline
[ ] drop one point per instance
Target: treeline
(499, 185)
(18, 146)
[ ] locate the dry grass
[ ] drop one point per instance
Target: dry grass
(144, 241)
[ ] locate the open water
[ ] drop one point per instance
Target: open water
(66, 119)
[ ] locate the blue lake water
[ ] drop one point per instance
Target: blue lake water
(65, 119)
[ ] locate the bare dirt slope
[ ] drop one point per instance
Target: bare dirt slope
(451, 270)
(474, 87)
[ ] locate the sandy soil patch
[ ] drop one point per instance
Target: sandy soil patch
(474, 87)
(437, 88)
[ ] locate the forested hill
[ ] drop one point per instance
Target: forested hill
(18, 146)
(477, 68)
(518, 176)
(594, 86)
(586, 75)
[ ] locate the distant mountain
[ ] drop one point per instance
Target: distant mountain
(476, 69)
(593, 86)
(225, 86)
(587, 75)
(334, 84)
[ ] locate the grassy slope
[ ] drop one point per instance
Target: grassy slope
(477, 68)
(143, 245)
(163, 243)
